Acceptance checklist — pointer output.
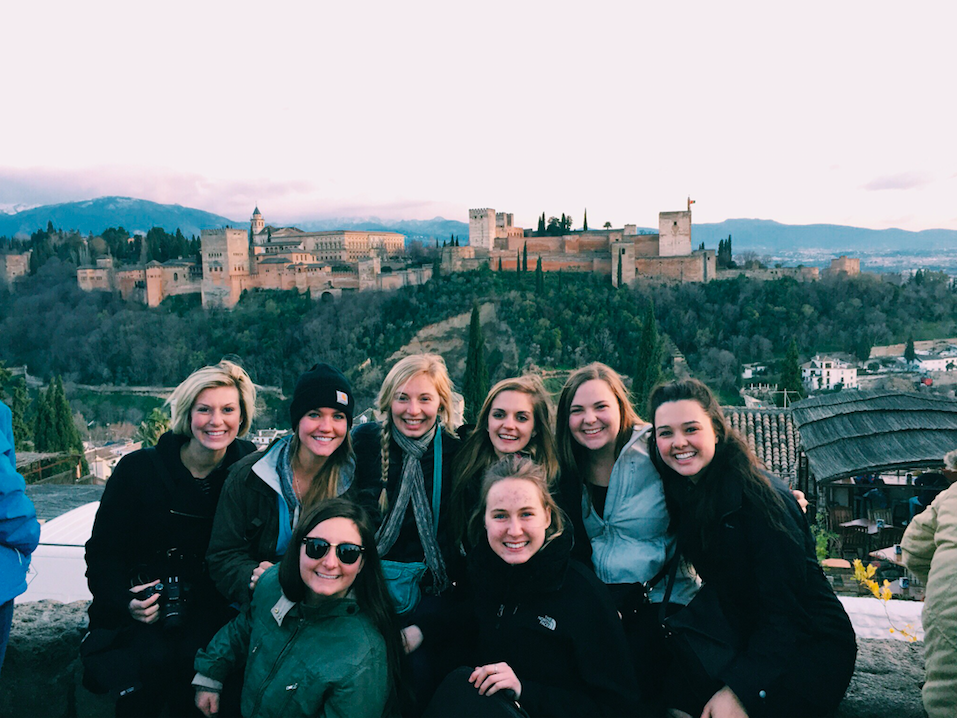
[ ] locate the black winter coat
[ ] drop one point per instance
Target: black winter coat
(366, 442)
(554, 623)
(799, 645)
(152, 504)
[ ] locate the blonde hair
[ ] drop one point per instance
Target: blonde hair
(572, 455)
(226, 373)
(451, 404)
(477, 453)
(516, 466)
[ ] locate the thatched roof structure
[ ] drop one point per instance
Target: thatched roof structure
(772, 436)
(857, 432)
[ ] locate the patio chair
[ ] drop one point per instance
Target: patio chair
(885, 515)
(854, 541)
(838, 515)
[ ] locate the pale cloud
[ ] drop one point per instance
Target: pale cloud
(904, 180)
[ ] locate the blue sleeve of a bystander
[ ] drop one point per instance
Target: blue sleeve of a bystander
(19, 529)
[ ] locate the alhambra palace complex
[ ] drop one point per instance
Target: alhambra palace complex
(326, 264)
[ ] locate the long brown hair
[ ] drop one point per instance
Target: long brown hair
(369, 587)
(477, 453)
(739, 465)
(572, 456)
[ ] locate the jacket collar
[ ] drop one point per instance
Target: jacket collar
(327, 609)
(266, 470)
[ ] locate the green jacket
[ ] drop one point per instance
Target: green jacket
(300, 660)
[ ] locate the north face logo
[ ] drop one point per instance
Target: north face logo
(548, 622)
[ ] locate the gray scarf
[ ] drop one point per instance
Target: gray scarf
(412, 488)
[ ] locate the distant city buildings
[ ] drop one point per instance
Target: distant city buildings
(324, 264)
(828, 373)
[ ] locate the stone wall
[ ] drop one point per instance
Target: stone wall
(42, 673)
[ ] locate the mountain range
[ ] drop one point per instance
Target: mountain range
(810, 244)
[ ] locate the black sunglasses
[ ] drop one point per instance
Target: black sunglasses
(316, 548)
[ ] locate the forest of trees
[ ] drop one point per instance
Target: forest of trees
(558, 320)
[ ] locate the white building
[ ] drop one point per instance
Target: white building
(936, 362)
(826, 373)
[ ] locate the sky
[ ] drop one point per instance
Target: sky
(804, 113)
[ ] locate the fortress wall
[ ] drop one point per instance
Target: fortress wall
(646, 245)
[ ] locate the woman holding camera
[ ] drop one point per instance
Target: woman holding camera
(145, 558)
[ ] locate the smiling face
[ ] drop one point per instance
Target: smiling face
(322, 431)
(415, 405)
(511, 422)
(594, 417)
(215, 417)
(328, 577)
(516, 519)
(685, 437)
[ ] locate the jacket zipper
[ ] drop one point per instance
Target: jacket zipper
(275, 666)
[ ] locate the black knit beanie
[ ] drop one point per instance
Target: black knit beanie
(320, 387)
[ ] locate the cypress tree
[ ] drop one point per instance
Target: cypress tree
(19, 403)
(539, 277)
(619, 269)
(791, 371)
(518, 261)
(648, 366)
(68, 438)
(910, 355)
(525, 257)
(500, 264)
(44, 424)
(476, 371)
(541, 224)
(585, 223)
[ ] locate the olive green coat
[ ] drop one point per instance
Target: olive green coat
(302, 660)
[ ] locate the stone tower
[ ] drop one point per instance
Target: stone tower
(482, 228)
(674, 234)
(225, 266)
(258, 224)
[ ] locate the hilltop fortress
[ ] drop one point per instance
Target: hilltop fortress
(325, 264)
(623, 254)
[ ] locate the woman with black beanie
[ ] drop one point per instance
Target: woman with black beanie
(267, 492)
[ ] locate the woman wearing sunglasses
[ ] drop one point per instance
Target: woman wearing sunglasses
(319, 637)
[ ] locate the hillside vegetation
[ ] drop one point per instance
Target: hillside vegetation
(53, 327)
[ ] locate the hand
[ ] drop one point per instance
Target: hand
(146, 611)
(257, 572)
(801, 499)
(411, 638)
(496, 677)
(207, 702)
(724, 704)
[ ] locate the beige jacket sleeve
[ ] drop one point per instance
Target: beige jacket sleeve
(932, 527)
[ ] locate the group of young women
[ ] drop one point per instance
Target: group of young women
(522, 567)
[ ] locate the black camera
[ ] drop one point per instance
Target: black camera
(172, 592)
